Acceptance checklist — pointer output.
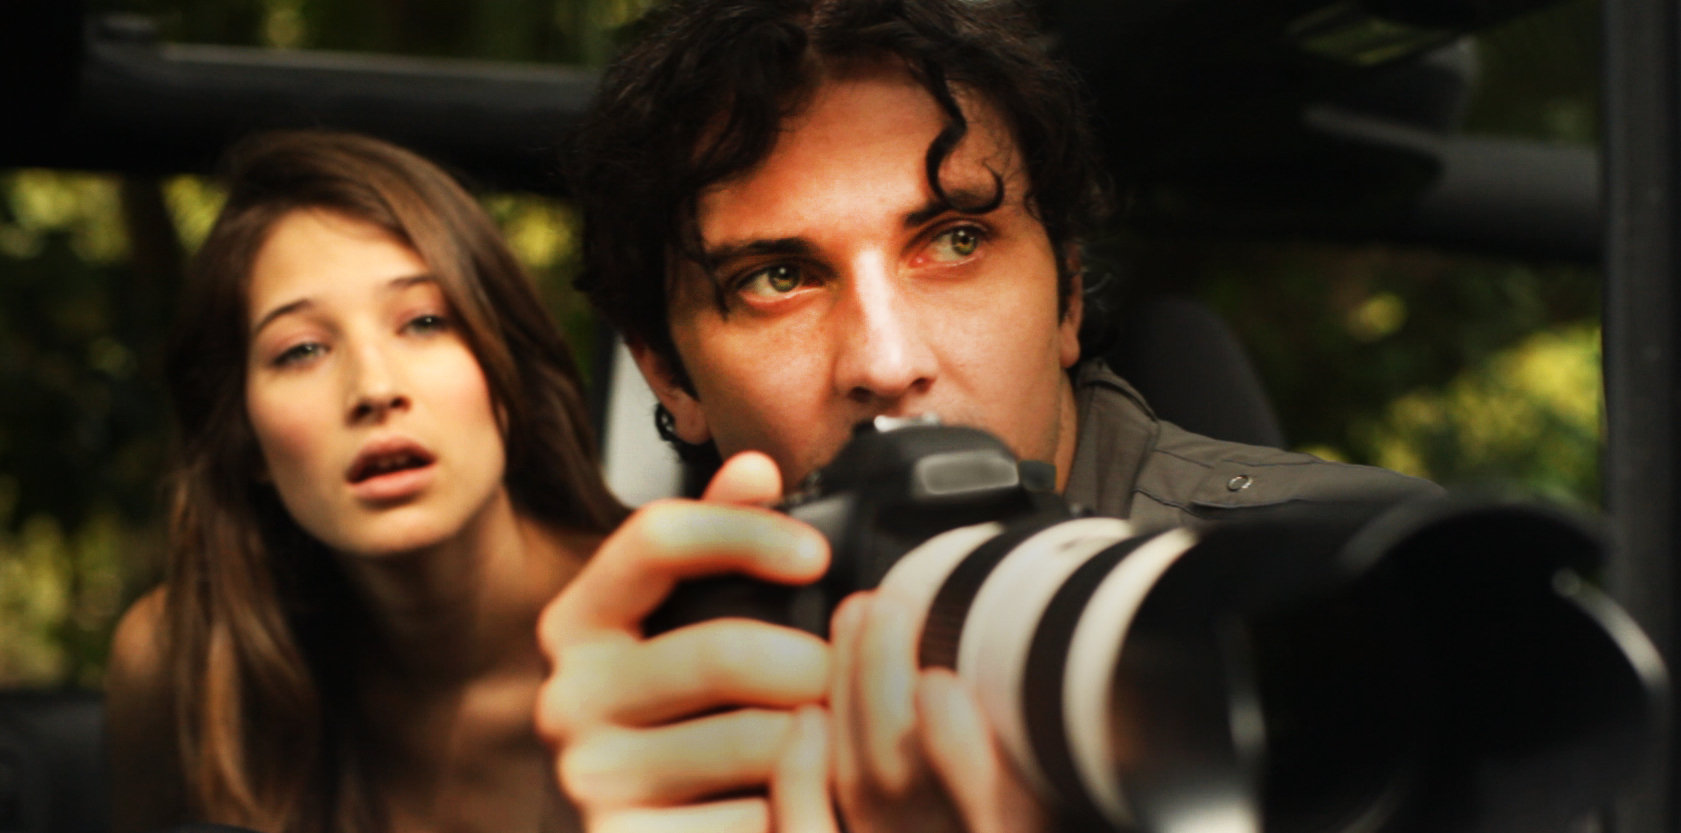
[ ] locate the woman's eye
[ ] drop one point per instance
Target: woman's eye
(429, 323)
(771, 281)
(299, 353)
(957, 243)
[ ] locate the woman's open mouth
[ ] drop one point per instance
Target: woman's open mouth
(390, 470)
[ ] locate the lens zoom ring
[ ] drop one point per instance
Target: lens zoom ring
(944, 627)
(1047, 662)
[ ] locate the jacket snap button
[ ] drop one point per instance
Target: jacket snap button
(1239, 482)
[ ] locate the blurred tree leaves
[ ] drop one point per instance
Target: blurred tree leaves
(1426, 362)
(80, 419)
(1527, 414)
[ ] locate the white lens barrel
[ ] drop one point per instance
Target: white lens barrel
(1004, 616)
(1000, 619)
(919, 574)
(1093, 654)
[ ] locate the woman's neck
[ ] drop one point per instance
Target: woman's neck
(467, 605)
(447, 669)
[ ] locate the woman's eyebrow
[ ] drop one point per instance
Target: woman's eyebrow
(299, 305)
(407, 281)
(394, 285)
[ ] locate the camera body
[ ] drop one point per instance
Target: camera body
(896, 483)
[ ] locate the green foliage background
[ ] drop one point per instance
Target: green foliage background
(1463, 369)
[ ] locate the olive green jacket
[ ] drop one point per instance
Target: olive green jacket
(1130, 464)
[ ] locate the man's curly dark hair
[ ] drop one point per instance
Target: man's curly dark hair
(699, 96)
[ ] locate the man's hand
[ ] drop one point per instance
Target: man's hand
(912, 749)
(650, 732)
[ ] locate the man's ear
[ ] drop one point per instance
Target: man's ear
(688, 418)
(1068, 330)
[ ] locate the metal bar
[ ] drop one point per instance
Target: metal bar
(136, 105)
(1493, 196)
(1642, 153)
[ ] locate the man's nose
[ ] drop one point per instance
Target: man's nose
(883, 351)
(374, 387)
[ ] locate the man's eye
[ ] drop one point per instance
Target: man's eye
(957, 243)
(771, 281)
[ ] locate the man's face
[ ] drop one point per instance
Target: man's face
(851, 293)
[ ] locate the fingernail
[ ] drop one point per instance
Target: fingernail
(809, 551)
(942, 693)
(850, 612)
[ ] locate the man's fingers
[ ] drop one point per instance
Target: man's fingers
(607, 702)
(886, 686)
(750, 477)
(731, 661)
(844, 710)
(880, 771)
(799, 791)
(668, 541)
(689, 671)
(736, 815)
(673, 764)
(988, 792)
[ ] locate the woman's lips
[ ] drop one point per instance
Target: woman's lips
(390, 470)
(394, 485)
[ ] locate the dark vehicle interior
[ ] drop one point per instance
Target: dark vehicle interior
(1338, 120)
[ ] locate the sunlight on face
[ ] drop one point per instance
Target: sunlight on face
(373, 416)
(852, 293)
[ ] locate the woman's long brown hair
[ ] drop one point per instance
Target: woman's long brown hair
(264, 705)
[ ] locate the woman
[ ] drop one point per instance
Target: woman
(384, 471)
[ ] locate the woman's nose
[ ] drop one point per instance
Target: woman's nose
(374, 387)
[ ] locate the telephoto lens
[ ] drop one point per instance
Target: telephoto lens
(1428, 666)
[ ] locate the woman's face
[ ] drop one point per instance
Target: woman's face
(373, 416)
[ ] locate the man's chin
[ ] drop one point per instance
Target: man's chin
(796, 468)
(795, 473)
(794, 476)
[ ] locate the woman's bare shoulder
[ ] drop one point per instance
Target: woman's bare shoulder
(137, 663)
(146, 785)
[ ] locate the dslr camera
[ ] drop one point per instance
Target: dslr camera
(1429, 665)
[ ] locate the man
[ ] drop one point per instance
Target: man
(802, 215)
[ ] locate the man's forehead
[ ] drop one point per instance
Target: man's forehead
(858, 131)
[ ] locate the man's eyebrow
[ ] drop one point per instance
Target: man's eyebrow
(718, 255)
(799, 246)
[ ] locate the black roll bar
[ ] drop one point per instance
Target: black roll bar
(1642, 147)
